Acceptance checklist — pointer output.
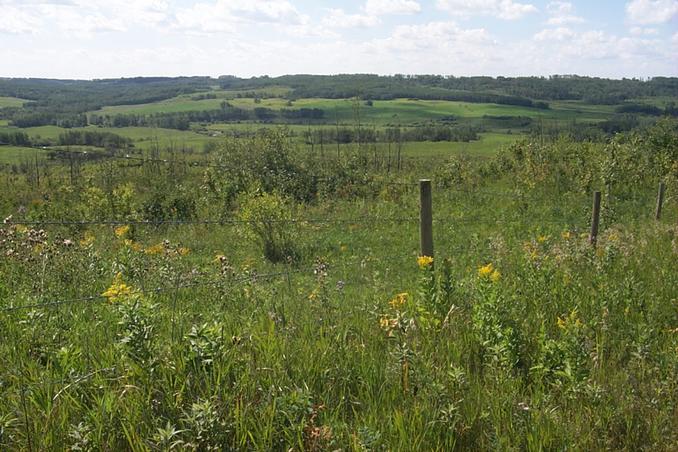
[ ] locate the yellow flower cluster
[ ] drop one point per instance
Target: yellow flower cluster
(489, 272)
(570, 321)
(133, 245)
(424, 262)
(155, 249)
(87, 240)
(121, 231)
(388, 324)
(399, 301)
(118, 290)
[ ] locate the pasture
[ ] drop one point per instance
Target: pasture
(264, 297)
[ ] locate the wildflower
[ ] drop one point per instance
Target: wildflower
(118, 290)
(424, 262)
(343, 248)
(87, 240)
(183, 251)
(219, 258)
(155, 249)
(399, 301)
(570, 321)
(495, 276)
(313, 296)
(486, 270)
(566, 235)
(542, 238)
(133, 245)
(121, 231)
(388, 324)
(561, 323)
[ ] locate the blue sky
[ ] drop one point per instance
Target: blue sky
(116, 38)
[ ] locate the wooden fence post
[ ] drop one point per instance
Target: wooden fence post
(425, 218)
(595, 219)
(660, 201)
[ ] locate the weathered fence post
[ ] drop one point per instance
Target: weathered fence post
(425, 218)
(595, 219)
(660, 201)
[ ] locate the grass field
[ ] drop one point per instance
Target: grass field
(11, 102)
(273, 300)
(400, 111)
(17, 154)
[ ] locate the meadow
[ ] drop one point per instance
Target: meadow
(263, 296)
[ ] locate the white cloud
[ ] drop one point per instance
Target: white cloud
(554, 34)
(16, 20)
(640, 31)
(503, 9)
(437, 38)
(383, 7)
(594, 45)
(79, 17)
(337, 18)
(562, 13)
(647, 12)
(224, 15)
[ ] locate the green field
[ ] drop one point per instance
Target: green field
(400, 111)
(11, 102)
(186, 102)
(272, 299)
(17, 154)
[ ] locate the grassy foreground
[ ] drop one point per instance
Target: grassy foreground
(313, 324)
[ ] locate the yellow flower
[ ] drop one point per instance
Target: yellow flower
(399, 301)
(219, 258)
(570, 321)
(542, 238)
(388, 324)
(566, 235)
(118, 290)
(343, 248)
(183, 251)
(495, 276)
(155, 249)
(21, 229)
(121, 231)
(87, 240)
(424, 261)
(486, 270)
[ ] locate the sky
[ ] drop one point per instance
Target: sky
(123, 38)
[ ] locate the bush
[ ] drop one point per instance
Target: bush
(269, 223)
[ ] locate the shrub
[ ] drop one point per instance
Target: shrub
(268, 222)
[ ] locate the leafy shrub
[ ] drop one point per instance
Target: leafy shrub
(269, 223)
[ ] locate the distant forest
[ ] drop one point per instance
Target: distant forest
(65, 102)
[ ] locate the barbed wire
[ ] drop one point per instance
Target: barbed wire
(100, 297)
(356, 220)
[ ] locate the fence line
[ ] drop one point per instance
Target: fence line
(210, 283)
(157, 290)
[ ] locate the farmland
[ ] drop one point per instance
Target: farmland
(259, 284)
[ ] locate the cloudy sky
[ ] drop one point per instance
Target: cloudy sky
(114, 38)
